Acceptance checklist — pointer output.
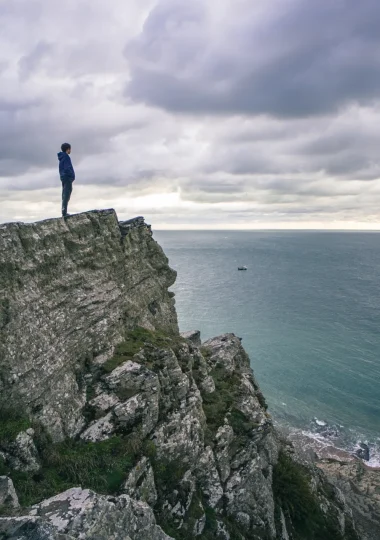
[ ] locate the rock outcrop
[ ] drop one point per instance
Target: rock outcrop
(361, 487)
(8, 495)
(130, 430)
(79, 513)
(69, 291)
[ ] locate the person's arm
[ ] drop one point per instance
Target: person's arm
(68, 168)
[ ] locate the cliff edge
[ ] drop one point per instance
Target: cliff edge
(113, 425)
(69, 290)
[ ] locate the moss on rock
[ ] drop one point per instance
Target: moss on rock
(134, 342)
(217, 404)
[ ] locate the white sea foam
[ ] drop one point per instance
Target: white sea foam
(374, 462)
(374, 456)
(327, 440)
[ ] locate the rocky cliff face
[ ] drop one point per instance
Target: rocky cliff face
(115, 426)
(68, 292)
(361, 487)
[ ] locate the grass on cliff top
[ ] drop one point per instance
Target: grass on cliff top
(293, 494)
(102, 466)
(136, 340)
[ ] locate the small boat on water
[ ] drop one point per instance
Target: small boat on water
(242, 268)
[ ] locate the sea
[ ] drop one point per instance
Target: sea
(308, 311)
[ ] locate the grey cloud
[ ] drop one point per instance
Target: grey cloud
(29, 63)
(298, 59)
(15, 105)
(265, 111)
(31, 135)
(344, 146)
(244, 160)
(330, 144)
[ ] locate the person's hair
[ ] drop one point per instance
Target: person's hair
(66, 146)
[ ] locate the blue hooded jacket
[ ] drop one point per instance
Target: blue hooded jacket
(66, 169)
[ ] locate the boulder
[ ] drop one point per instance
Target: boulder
(8, 495)
(78, 513)
(194, 336)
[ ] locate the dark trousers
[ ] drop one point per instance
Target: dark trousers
(67, 188)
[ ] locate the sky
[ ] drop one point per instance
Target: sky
(209, 114)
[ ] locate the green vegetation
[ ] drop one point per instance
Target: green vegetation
(136, 340)
(291, 489)
(101, 466)
(198, 508)
(149, 449)
(218, 403)
(261, 400)
(3, 468)
(11, 423)
(293, 494)
(206, 353)
(168, 477)
(240, 423)
(221, 403)
(168, 474)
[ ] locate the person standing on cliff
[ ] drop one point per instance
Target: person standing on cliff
(67, 174)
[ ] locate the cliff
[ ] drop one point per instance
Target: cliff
(69, 291)
(115, 426)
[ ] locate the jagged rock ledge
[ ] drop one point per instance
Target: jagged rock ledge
(129, 430)
(128, 225)
(69, 289)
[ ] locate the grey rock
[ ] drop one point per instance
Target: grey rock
(68, 291)
(359, 487)
(221, 532)
(284, 533)
(137, 389)
(22, 454)
(224, 439)
(199, 526)
(82, 514)
(187, 486)
(140, 484)
(363, 451)
(200, 446)
(99, 430)
(129, 224)
(194, 336)
(227, 351)
(29, 528)
(103, 403)
(209, 477)
(8, 495)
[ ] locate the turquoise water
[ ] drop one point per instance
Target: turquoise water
(307, 308)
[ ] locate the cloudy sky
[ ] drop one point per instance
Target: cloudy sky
(195, 114)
